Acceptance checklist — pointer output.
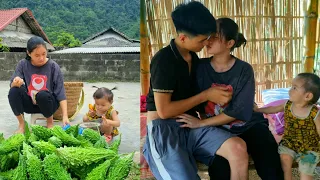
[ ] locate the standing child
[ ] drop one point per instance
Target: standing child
(301, 138)
(103, 112)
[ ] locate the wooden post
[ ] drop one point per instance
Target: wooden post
(144, 51)
(310, 35)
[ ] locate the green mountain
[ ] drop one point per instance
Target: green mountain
(82, 18)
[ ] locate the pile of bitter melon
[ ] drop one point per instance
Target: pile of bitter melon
(55, 154)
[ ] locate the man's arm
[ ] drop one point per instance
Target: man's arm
(163, 82)
(167, 108)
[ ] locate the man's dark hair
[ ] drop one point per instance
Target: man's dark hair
(193, 19)
(311, 84)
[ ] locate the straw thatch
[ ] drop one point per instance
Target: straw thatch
(274, 30)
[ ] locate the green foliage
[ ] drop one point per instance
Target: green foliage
(21, 172)
(101, 143)
(41, 132)
(84, 142)
(44, 148)
(3, 48)
(1, 138)
(76, 156)
(23, 159)
(33, 138)
(26, 130)
(67, 40)
(9, 161)
(7, 175)
(100, 172)
(82, 171)
(115, 144)
(121, 168)
(13, 143)
(64, 137)
(54, 169)
(55, 141)
(34, 164)
(73, 130)
(91, 135)
(82, 18)
(134, 172)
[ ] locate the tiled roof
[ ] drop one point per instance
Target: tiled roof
(7, 16)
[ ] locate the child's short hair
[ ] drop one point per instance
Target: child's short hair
(104, 93)
(311, 84)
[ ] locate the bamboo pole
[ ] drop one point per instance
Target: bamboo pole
(144, 51)
(310, 35)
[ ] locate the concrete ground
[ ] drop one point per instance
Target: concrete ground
(126, 101)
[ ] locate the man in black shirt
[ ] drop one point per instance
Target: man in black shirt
(170, 150)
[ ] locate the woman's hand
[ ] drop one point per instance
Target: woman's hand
(65, 120)
(190, 121)
(17, 82)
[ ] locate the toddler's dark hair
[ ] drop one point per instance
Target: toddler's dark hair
(103, 92)
(311, 84)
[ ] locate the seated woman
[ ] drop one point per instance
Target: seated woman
(237, 117)
(37, 85)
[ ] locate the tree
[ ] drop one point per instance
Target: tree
(3, 48)
(82, 18)
(66, 40)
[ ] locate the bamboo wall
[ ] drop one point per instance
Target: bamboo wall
(273, 28)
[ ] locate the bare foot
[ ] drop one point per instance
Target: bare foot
(50, 126)
(20, 130)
